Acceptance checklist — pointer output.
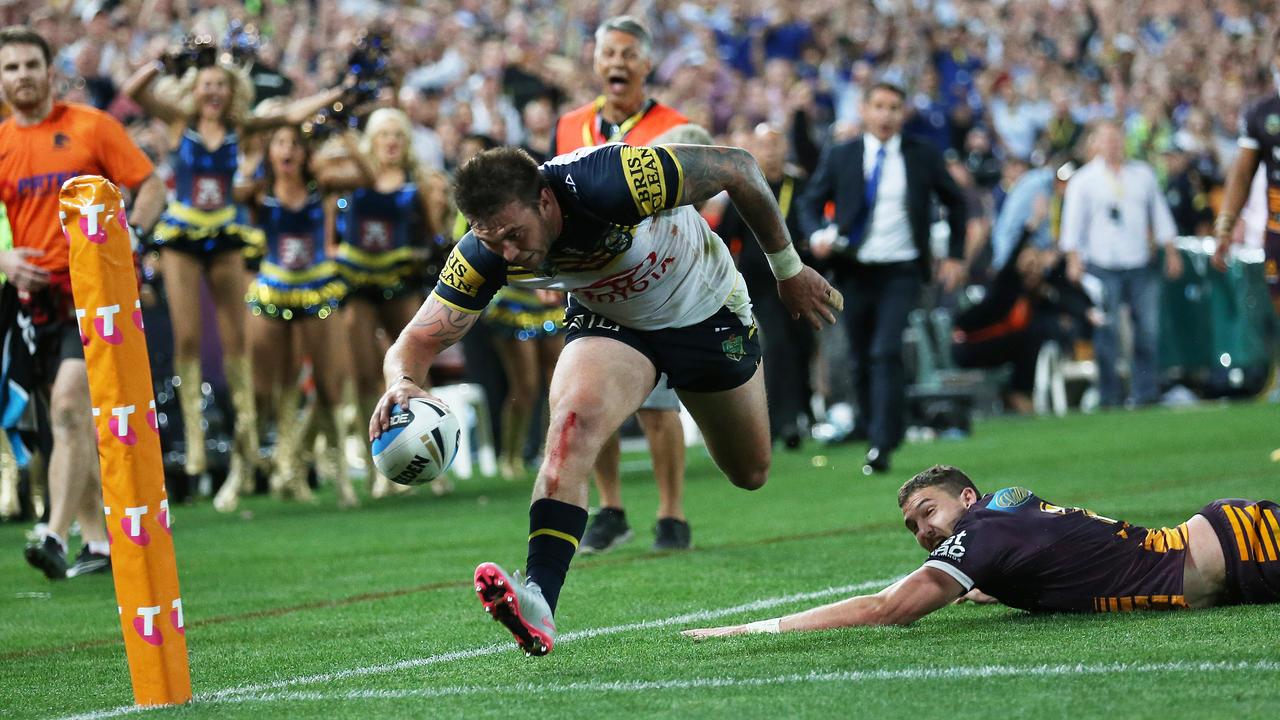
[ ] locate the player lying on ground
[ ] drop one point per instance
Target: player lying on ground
(652, 290)
(1032, 555)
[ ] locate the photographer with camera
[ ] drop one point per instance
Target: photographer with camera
(206, 103)
(1112, 208)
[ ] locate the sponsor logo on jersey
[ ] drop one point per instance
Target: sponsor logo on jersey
(622, 286)
(40, 185)
(1009, 499)
(460, 275)
(645, 179)
(60, 141)
(952, 547)
(1272, 124)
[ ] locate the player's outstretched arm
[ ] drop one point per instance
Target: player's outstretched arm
(902, 603)
(435, 327)
(710, 170)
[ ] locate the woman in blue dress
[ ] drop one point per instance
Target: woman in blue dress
(202, 236)
(292, 301)
(387, 246)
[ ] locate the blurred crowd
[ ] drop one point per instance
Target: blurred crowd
(986, 80)
(1005, 90)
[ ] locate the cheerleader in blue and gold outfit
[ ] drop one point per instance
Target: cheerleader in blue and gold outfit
(201, 236)
(291, 302)
(386, 239)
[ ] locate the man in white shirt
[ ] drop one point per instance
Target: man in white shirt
(1113, 207)
(884, 186)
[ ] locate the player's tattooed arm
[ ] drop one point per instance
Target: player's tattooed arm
(434, 328)
(708, 170)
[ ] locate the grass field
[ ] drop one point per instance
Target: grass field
(307, 611)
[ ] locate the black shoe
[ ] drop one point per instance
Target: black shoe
(671, 534)
(48, 557)
(608, 530)
(877, 461)
(792, 441)
(88, 563)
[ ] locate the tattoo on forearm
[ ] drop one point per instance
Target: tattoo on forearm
(708, 170)
(446, 325)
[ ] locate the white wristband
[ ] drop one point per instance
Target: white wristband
(772, 626)
(785, 263)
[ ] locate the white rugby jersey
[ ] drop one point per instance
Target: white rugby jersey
(626, 251)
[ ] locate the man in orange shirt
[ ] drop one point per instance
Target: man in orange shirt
(42, 145)
(624, 113)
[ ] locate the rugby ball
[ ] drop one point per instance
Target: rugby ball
(420, 444)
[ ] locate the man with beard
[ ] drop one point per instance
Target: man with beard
(1032, 555)
(42, 145)
(625, 113)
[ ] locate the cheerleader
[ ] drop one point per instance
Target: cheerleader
(386, 240)
(201, 236)
(291, 301)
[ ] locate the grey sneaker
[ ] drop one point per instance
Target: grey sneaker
(48, 557)
(608, 530)
(88, 562)
(518, 604)
(671, 534)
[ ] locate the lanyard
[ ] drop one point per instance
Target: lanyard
(784, 195)
(591, 134)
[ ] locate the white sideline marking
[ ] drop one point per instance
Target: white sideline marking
(230, 694)
(848, 676)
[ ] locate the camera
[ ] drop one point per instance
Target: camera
(196, 51)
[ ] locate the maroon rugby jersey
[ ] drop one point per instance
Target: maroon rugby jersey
(1260, 131)
(1036, 556)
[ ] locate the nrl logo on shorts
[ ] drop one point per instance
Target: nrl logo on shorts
(618, 240)
(1272, 124)
(733, 348)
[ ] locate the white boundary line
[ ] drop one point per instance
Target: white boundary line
(229, 694)
(850, 676)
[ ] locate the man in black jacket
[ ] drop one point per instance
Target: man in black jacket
(883, 185)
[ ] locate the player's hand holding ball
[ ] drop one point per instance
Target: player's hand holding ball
(420, 438)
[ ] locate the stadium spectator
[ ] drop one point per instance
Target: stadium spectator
(624, 112)
(1028, 303)
(44, 143)
(1112, 208)
(1027, 189)
(882, 185)
(1014, 548)
(680, 308)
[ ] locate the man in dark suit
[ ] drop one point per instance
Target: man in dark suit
(883, 186)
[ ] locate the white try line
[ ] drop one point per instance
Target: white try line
(230, 694)
(844, 677)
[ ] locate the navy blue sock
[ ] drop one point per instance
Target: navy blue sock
(554, 531)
